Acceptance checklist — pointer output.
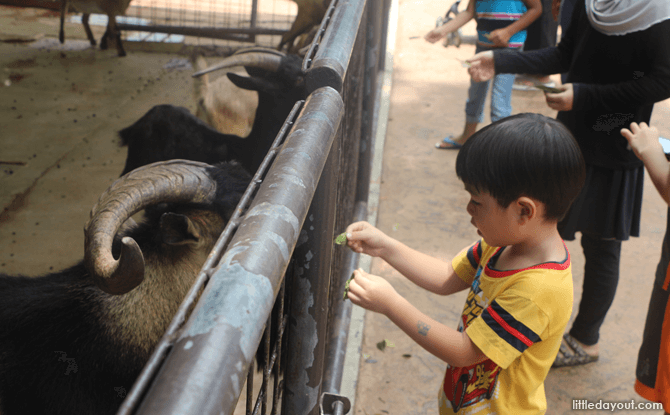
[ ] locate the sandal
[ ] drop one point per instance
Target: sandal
(453, 145)
(573, 355)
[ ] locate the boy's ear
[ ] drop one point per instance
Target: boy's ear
(527, 209)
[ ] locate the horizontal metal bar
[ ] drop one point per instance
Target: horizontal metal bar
(205, 370)
(241, 34)
(329, 66)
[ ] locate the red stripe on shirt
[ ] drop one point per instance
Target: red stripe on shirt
(511, 330)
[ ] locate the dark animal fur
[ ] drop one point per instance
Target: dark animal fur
(62, 349)
(167, 132)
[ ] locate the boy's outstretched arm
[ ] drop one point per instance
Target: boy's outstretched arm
(376, 294)
(452, 25)
(425, 271)
(643, 140)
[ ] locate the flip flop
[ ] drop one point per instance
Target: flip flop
(573, 355)
(452, 144)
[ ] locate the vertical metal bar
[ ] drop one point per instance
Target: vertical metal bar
(254, 19)
(309, 298)
(338, 328)
(373, 36)
(268, 366)
(250, 388)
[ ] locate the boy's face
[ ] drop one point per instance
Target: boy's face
(494, 223)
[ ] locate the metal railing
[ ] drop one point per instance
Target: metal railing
(311, 185)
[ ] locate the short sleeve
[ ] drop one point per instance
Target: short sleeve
(507, 328)
(465, 264)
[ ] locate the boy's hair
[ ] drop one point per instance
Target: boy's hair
(524, 155)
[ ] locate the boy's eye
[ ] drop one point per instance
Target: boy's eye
(474, 202)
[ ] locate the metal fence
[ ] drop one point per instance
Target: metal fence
(274, 278)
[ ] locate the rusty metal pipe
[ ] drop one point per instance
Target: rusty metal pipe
(206, 367)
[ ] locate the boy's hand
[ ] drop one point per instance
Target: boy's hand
(371, 292)
(561, 101)
(642, 139)
(481, 66)
(435, 34)
(366, 239)
(499, 37)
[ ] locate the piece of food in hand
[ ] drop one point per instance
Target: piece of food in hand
(548, 89)
(346, 287)
(341, 239)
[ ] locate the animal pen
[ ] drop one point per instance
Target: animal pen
(274, 273)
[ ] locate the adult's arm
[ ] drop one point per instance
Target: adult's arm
(642, 88)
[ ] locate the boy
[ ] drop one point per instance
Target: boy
(653, 362)
(500, 24)
(522, 173)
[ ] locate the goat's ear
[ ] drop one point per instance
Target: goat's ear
(251, 83)
(178, 229)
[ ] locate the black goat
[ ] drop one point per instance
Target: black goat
(167, 132)
(73, 342)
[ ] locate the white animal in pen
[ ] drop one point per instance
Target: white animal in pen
(111, 8)
(223, 105)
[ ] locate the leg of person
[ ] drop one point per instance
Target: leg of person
(601, 277)
(541, 34)
(501, 96)
(474, 114)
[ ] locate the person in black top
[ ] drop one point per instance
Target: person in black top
(616, 54)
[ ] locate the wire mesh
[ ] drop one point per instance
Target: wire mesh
(242, 21)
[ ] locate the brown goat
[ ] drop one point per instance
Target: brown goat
(111, 8)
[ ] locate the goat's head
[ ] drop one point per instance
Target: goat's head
(200, 201)
(270, 72)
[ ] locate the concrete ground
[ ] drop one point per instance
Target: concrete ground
(422, 203)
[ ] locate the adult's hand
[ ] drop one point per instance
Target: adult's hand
(481, 66)
(561, 101)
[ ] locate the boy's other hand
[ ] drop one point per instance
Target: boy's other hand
(561, 101)
(371, 292)
(481, 66)
(435, 35)
(642, 138)
(366, 239)
(499, 37)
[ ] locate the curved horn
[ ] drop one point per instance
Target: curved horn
(263, 58)
(163, 182)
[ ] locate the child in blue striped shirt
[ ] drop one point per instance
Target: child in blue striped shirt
(500, 24)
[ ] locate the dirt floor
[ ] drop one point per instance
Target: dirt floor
(422, 203)
(60, 109)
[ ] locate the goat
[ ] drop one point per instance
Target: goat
(223, 105)
(166, 132)
(310, 14)
(111, 8)
(73, 342)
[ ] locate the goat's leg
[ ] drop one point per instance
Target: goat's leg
(87, 28)
(113, 30)
(63, 12)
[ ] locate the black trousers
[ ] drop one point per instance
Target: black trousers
(601, 277)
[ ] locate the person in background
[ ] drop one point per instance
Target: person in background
(500, 24)
(653, 362)
(542, 34)
(617, 57)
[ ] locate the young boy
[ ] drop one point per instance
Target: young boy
(522, 173)
(653, 362)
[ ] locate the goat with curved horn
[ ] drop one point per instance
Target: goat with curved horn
(165, 182)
